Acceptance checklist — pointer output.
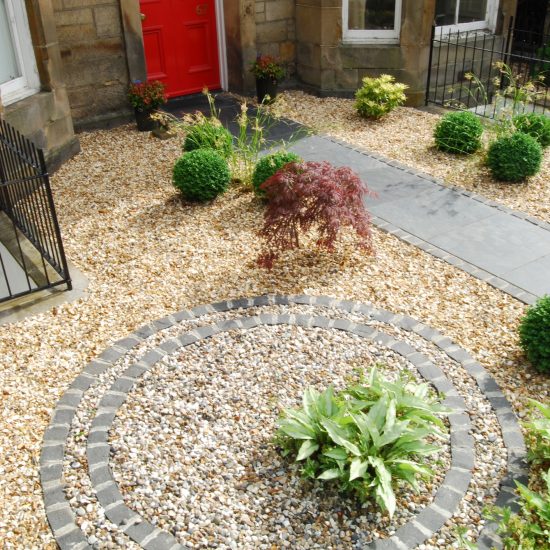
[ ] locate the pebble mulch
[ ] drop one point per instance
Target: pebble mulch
(189, 443)
(146, 254)
(406, 135)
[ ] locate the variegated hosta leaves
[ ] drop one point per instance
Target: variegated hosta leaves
(367, 437)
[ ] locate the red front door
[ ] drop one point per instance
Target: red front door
(181, 44)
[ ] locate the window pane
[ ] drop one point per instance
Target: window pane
(9, 68)
(472, 10)
(371, 14)
(445, 12)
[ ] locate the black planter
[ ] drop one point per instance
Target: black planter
(266, 87)
(144, 121)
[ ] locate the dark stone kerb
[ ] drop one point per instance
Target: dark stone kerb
(422, 527)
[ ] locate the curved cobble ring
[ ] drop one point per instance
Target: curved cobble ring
(419, 529)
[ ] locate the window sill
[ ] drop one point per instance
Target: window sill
(16, 95)
(349, 41)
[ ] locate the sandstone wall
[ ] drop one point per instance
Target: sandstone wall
(276, 30)
(94, 59)
(45, 117)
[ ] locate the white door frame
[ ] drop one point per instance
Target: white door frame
(222, 46)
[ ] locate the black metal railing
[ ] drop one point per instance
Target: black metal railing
(455, 56)
(31, 250)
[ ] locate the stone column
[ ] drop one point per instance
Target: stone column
(133, 39)
(240, 29)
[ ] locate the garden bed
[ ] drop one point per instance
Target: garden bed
(406, 135)
(147, 254)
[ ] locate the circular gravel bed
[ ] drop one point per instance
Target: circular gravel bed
(165, 441)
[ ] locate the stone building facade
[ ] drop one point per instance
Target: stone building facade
(88, 51)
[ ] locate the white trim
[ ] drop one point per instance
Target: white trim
(489, 23)
(365, 36)
(222, 46)
(29, 82)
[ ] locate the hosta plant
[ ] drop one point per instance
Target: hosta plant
(529, 529)
(538, 434)
(366, 437)
(306, 195)
(378, 96)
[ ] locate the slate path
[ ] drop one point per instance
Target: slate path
(506, 248)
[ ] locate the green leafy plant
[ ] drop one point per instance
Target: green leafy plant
(378, 96)
(146, 96)
(201, 175)
(268, 67)
(366, 437)
(267, 166)
(534, 334)
(209, 134)
(514, 158)
(459, 133)
(529, 529)
(536, 125)
(538, 434)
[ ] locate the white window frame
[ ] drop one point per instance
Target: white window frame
(376, 36)
(489, 23)
(29, 83)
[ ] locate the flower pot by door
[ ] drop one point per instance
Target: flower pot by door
(144, 121)
(266, 87)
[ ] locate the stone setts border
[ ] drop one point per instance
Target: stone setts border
(423, 526)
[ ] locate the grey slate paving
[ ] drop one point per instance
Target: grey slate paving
(508, 249)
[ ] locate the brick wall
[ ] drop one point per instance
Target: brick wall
(276, 30)
(94, 59)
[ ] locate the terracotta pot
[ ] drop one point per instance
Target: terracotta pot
(266, 87)
(144, 121)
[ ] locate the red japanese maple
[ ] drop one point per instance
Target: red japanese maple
(304, 195)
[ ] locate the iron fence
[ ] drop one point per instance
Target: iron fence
(455, 57)
(31, 250)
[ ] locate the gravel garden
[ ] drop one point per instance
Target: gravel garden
(186, 426)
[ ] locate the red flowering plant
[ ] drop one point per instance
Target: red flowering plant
(304, 195)
(146, 96)
(267, 67)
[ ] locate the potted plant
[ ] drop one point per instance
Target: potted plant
(145, 97)
(268, 71)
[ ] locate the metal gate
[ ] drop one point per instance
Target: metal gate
(457, 55)
(31, 251)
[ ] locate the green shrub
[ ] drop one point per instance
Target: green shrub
(534, 334)
(529, 529)
(538, 433)
(209, 134)
(378, 96)
(514, 158)
(459, 133)
(366, 437)
(535, 125)
(269, 165)
(201, 175)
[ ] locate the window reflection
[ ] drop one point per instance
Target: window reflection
(371, 14)
(454, 12)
